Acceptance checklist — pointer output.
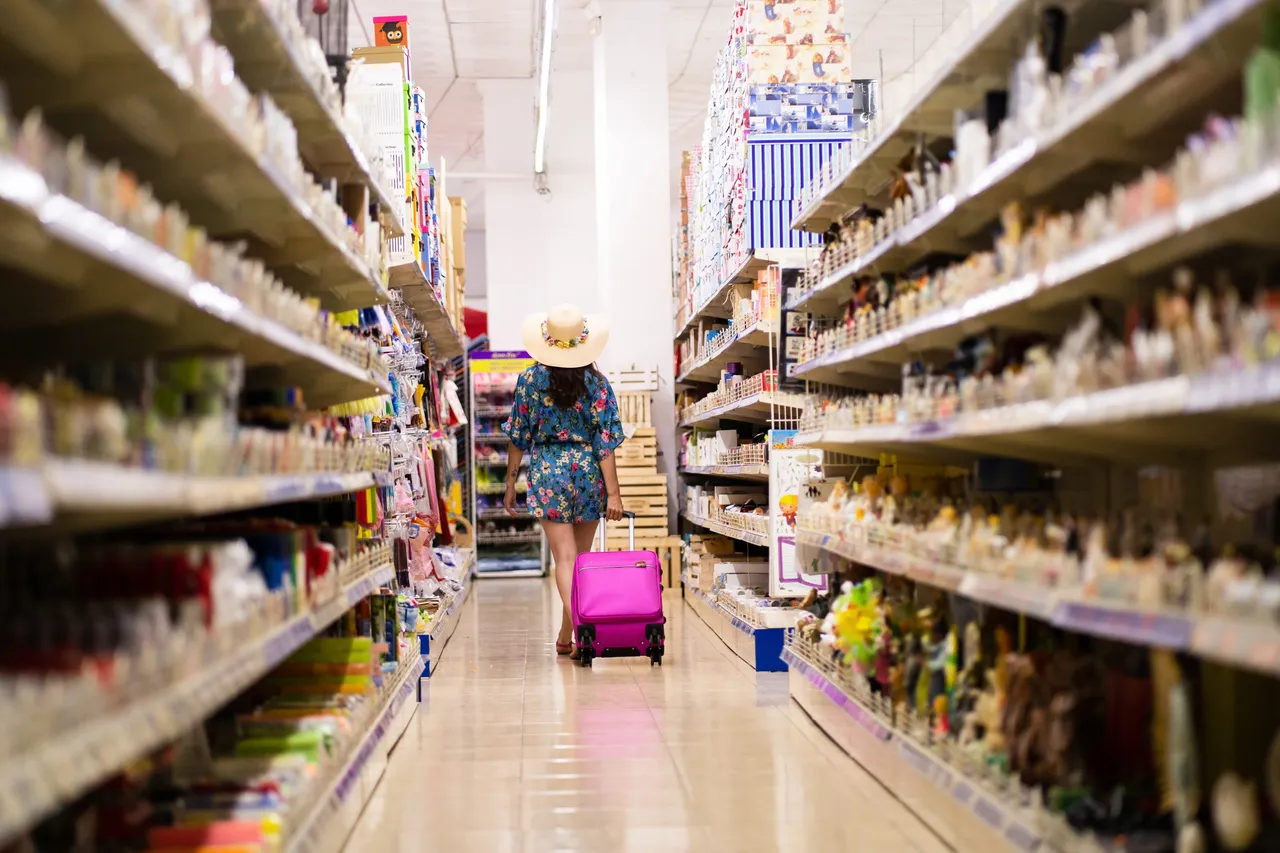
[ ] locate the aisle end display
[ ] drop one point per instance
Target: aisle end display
(509, 546)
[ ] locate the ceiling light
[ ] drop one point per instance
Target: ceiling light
(544, 85)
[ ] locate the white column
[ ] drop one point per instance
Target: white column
(633, 194)
(540, 250)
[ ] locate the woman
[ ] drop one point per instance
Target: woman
(565, 413)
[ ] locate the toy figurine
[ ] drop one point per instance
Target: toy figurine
(1191, 839)
(941, 720)
(913, 665)
(884, 657)
(1235, 812)
(936, 654)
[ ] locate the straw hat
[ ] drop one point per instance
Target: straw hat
(564, 336)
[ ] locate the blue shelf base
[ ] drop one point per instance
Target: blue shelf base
(761, 648)
(431, 645)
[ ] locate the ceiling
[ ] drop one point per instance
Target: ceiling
(456, 43)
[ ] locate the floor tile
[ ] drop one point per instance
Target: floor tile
(517, 750)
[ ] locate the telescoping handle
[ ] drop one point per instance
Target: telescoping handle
(604, 526)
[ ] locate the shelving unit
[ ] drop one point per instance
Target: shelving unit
(327, 822)
(717, 304)
(58, 765)
(1085, 121)
(1067, 427)
(751, 341)
(269, 58)
(735, 528)
(760, 648)
(748, 471)
(963, 811)
(252, 194)
(208, 391)
(130, 273)
(508, 546)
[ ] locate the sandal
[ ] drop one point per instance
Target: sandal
(564, 648)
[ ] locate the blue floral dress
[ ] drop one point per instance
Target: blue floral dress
(565, 482)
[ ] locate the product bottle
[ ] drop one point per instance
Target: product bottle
(1262, 74)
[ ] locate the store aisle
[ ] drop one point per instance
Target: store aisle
(516, 750)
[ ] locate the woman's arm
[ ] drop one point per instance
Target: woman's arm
(514, 455)
(607, 427)
(613, 507)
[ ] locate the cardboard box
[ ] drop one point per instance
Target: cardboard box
(716, 570)
(458, 231)
(381, 55)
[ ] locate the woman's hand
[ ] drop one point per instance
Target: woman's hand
(613, 508)
(509, 499)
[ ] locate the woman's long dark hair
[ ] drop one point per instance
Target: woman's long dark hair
(569, 384)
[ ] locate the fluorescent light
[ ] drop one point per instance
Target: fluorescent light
(544, 85)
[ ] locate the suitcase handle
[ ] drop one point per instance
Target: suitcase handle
(604, 526)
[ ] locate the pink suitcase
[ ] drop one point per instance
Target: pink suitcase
(617, 603)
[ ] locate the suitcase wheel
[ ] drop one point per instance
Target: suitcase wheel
(586, 644)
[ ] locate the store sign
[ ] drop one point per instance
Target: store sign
(510, 361)
(793, 473)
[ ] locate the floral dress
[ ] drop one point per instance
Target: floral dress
(565, 481)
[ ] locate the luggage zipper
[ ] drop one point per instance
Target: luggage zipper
(638, 564)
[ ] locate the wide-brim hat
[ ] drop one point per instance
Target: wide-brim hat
(564, 336)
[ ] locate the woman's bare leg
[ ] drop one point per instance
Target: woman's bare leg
(564, 551)
(585, 534)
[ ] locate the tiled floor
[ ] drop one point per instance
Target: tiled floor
(515, 749)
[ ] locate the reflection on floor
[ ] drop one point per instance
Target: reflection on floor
(515, 749)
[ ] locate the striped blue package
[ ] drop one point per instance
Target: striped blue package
(779, 167)
(769, 227)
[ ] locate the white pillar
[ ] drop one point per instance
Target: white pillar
(633, 194)
(540, 250)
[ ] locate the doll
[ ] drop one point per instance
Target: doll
(941, 719)
(884, 656)
(913, 664)
(1235, 811)
(936, 653)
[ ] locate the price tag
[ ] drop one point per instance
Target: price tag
(988, 812)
